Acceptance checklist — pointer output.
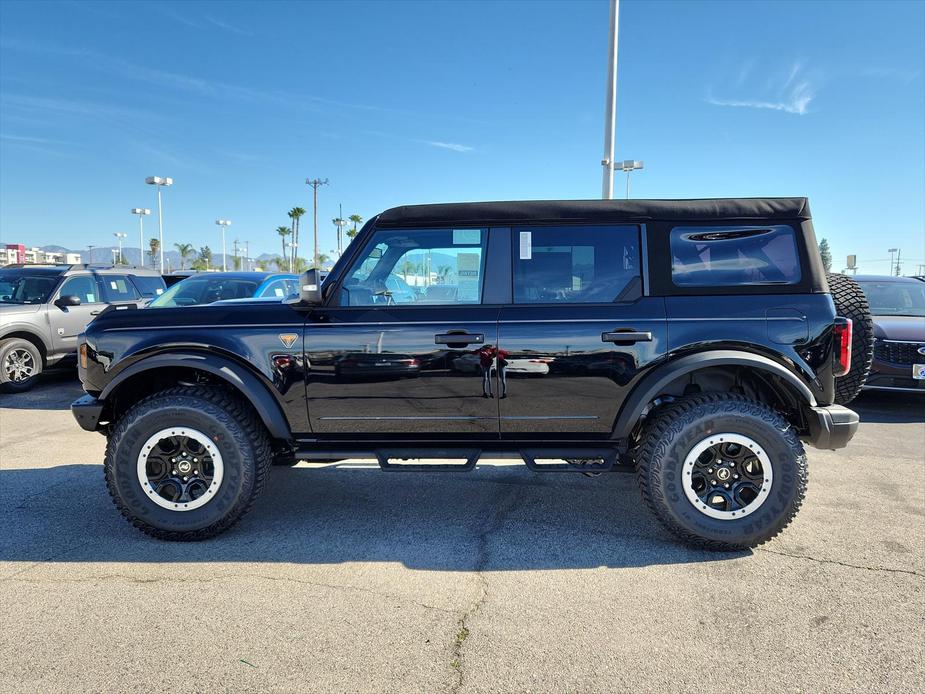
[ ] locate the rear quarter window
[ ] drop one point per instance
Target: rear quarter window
(725, 256)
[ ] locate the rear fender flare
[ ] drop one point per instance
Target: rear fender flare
(236, 375)
(653, 384)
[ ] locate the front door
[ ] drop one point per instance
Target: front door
(578, 331)
(68, 322)
(402, 346)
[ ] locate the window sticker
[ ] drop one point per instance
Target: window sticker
(278, 292)
(526, 245)
(113, 284)
(91, 298)
(467, 270)
(467, 237)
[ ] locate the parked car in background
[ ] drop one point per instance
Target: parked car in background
(897, 305)
(209, 287)
(43, 308)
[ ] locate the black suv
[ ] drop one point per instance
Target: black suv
(694, 339)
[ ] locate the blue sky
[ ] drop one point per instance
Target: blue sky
(402, 103)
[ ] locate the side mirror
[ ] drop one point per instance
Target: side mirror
(310, 287)
(67, 300)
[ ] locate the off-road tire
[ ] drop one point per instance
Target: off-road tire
(671, 435)
(17, 343)
(850, 302)
(234, 428)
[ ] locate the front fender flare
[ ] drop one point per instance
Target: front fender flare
(238, 376)
(652, 384)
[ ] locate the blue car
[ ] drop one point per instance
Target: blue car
(209, 287)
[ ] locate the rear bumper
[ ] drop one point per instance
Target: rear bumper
(87, 411)
(830, 427)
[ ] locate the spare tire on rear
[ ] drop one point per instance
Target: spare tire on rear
(850, 302)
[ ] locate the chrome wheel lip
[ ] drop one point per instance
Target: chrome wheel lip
(19, 365)
(205, 442)
(726, 438)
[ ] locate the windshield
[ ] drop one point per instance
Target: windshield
(895, 298)
(204, 290)
(23, 288)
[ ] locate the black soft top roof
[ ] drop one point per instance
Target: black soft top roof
(589, 211)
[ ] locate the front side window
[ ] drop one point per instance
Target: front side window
(726, 256)
(576, 264)
(204, 290)
(418, 266)
(81, 286)
(119, 288)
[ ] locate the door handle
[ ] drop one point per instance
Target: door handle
(95, 313)
(459, 339)
(628, 337)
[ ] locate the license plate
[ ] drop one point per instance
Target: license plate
(918, 372)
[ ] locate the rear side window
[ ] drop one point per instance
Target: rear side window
(149, 286)
(119, 288)
(726, 256)
(576, 264)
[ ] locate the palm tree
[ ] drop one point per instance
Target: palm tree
(443, 272)
(294, 214)
(155, 246)
(283, 233)
(356, 219)
(407, 267)
(186, 250)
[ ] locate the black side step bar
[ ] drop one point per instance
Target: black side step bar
(385, 456)
(608, 456)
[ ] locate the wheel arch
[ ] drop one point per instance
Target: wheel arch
(32, 337)
(784, 384)
(170, 369)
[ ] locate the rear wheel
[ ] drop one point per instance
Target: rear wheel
(721, 471)
(20, 365)
(187, 463)
(850, 302)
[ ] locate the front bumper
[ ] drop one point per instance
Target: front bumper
(87, 411)
(830, 427)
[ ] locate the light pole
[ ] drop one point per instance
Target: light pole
(120, 236)
(160, 182)
(891, 251)
(610, 109)
(315, 183)
(142, 212)
(223, 223)
(626, 167)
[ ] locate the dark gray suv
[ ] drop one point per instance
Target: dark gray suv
(43, 308)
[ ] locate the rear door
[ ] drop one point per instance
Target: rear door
(119, 289)
(68, 322)
(391, 352)
(578, 331)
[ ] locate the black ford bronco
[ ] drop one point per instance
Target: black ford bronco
(696, 341)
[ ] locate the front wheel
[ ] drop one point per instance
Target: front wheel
(20, 365)
(187, 463)
(721, 471)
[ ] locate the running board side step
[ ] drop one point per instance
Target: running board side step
(608, 458)
(385, 457)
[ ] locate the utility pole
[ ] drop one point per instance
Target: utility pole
(899, 255)
(610, 111)
(315, 183)
(891, 251)
(247, 254)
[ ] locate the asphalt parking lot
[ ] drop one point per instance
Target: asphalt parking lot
(350, 579)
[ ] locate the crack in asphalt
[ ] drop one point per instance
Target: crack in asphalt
(171, 579)
(507, 503)
(909, 572)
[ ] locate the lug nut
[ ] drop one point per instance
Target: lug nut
(186, 478)
(725, 485)
(175, 472)
(735, 477)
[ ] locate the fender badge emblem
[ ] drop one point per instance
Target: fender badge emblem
(288, 339)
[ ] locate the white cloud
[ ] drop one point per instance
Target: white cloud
(447, 145)
(791, 92)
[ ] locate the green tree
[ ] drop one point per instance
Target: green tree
(186, 250)
(155, 246)
(407, 268)
(204, 261)
(356, 219)
(283, 233)
(826, 254)
(443, 273)
(295, 214)
(236, 262)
